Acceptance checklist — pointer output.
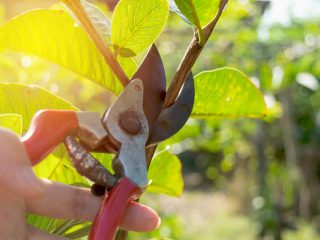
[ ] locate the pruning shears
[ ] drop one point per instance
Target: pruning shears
(133, 123)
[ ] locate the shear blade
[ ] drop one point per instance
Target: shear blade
(153, 76)
(173, 118)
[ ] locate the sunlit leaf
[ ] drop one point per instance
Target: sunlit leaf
(59, 169)
(204, 10)
(165, 175)
(79, 233)
(227, 92)
(44, 223)
(54, 35)
(137, 24)
(26, 100)
(66, 225)
(12, 122)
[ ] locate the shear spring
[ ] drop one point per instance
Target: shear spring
(88, 166)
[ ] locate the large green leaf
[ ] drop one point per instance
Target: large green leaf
(165, 175)
(12, 122)
(26, 100)
(137, 24)
(54, 35)
(227, 92)
(202, 10)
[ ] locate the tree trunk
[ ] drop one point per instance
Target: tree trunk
(292, 154)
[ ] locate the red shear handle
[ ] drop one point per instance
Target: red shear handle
(112, 209)
(48, 129)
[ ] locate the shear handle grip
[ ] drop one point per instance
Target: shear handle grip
(112, 209)
(48, 129)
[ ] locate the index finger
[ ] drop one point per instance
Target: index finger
(69, 202)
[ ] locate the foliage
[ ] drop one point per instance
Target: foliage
(165, 167)
(58, 38)
(230, 94)
(136, 24)
(223, 154)
(198, 12)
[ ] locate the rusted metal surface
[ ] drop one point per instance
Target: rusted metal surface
(87, 165)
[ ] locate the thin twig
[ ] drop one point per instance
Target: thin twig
(110, 59)
(184, 68)
(190, 58)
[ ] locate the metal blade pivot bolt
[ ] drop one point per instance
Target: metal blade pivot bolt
(130, 160)
(130, 123)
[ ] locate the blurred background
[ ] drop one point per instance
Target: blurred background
(244, 179)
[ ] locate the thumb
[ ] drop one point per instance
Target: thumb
(15, 168)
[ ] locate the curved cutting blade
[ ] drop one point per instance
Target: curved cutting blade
(153, 76)
(173, 118)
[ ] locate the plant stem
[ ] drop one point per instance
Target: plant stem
(110, 59)
(190, 58)
(184, 68)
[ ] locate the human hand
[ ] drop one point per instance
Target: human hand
(21, 192)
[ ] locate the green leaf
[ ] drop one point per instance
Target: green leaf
(227, 92)
(81, 232)
(26, 100)
(97, 17)
(165, 175)
(55, 36)
(59, 169)
(137, 24)
(12, 122)
(202, 10)
(44, 223)
(174, 8)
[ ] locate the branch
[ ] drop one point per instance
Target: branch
(190, 58)
(185, 66)
(110, 59)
